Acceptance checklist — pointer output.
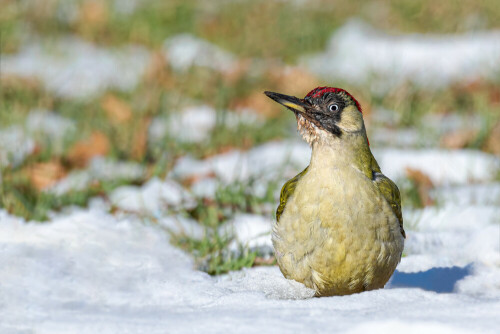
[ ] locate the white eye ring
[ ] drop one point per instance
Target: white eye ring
(333, 107)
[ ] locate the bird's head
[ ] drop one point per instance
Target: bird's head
(324, 114)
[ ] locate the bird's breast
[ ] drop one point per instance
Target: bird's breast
(337, 230)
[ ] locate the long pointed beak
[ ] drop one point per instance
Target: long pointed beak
(291, 102)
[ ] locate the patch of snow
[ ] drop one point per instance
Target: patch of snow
(251, 231)
(397, 326)
(127, 7)
(277, 159)
(73, 68)
(266, 161)
(92, 272)
(483, 282)
(443, 123)
(50, 127)
(153, 198)
(49, 124)
(195, 124)
(456, 235)
(442, 166)
(398, 138)
(15, 146)
(19, 141)
(464, 195)
(266, 280)
(100, 169)
(182, 225)
(206, 187)
(185, 50)
(359, 53)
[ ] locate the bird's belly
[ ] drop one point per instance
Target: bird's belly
(338, 237)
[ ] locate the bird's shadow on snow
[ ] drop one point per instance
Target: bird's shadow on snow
(440, 280)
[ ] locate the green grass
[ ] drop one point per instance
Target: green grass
(249, 28)
(211, 253)
(19, 197)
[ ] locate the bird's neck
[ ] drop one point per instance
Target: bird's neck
(344, 152)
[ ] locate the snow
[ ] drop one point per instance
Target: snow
(452, 236)
(196, 123)
(442, 166)
(91, 272)
(181, 225)
(486, 194)
(358, 53)
(49, 124)
(287, 157)
(266, 161)
(252, 231)
(399, 138)
(50, 128)
(72, 68)
(185, 50)
(100, 169)
(42, 127)
(153, 198)
(206, 187)
(15, 146)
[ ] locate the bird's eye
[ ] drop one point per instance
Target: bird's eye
(333, 107)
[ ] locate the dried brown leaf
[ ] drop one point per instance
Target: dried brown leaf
(117, 110)
(44, 174)
(492, 143)
(83, 151)
(458, 139)
(140, 139)
(424, 184)
(93, 12)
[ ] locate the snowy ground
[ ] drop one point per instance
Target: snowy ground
(88, 271)
(91, 272)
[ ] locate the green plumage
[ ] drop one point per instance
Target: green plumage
(287, 192)
(391, 194)
(385, 185)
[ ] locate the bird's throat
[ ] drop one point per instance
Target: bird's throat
(311, 132)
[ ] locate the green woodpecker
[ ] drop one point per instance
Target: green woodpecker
(339, 228)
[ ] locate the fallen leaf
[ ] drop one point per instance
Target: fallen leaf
(44, 174)
(140, 139)
(14, 82)
(424, 184)
(93, 12)
(157, 70)
(264, 261)
(458, 139)
(192, 179)
(492, 143)
(117, 110)
(83, 151)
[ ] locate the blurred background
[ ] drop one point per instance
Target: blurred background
(156, 109)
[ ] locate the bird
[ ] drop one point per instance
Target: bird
(339, 226)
